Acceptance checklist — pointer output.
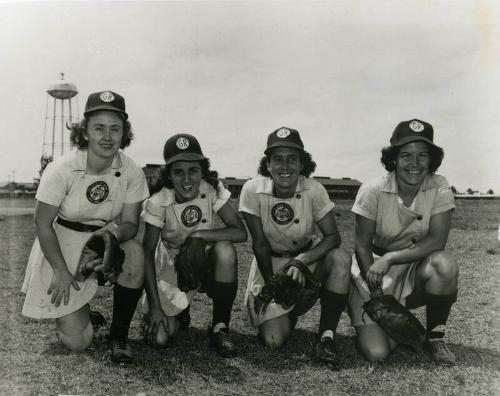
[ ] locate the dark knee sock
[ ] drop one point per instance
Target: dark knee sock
(437, 312)
(223, 298)
(332, 305)
(124, 304)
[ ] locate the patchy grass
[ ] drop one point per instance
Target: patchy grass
(32, 361)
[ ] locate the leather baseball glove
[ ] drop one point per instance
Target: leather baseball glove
(101, 254)
(287, 292)
(395, 319)
(191, 265)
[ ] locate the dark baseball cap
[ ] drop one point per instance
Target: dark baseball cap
(412, 131)
(105, 100)
(182, 147)
(284, 137)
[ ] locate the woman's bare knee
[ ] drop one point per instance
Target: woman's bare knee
(373, 343)
(132, 275)
(273, 340)
(444, 265)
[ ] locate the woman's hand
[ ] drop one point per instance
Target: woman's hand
(296, 275)
(377, 271)
(154, 319)
(59, 288)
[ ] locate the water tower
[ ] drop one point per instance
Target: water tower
(55, 134)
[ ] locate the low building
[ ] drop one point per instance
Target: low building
(344, 188)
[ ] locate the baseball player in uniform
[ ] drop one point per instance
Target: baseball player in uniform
(282, 206)
(82, 193)
(187, 202)
(402, 225)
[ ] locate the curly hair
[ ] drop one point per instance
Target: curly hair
(308, 165)
(210, 176)
(390, 155)
(78, 129)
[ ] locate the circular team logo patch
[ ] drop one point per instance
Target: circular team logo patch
(107, 97)
(282, 213)
(182, 143)
(416, 126)
(191, 215)
(283, 133)
(97, 192)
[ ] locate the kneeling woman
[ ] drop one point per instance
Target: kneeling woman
(281, 207)
(402, 225)
(187, 203)
(82, 193)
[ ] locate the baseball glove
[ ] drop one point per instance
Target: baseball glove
(395, 319)
(101, 254)
(191, 265)
(287, 292)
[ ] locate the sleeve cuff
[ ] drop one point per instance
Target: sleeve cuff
(443, 208)
(324, 211)
(362, 212)
(153, 220)
(249, 211)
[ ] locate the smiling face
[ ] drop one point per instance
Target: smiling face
(412, 164)
(284, 165)
(186, 178)
(104, 134)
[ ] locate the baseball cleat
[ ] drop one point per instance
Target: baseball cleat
(440, 352)
(120, 351)
(324, 351)
(222, 343)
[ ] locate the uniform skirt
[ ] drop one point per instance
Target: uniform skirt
(399, 282)
(39, 276)
(172, 299)
(254, 286)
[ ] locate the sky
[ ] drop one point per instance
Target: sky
(344, 73)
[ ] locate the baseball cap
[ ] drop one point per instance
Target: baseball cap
(105, 100)
(182, 147)
(284, 137)
(411, 131)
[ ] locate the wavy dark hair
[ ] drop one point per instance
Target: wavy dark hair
(78, 129)
(390, 154)
(308, 165)
(210, 176)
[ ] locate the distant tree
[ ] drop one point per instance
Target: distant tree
(453, 190)
(490, 192)
(470, 191)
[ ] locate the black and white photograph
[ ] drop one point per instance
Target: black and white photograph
(250, 197)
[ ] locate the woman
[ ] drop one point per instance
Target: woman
(402, 225)
(188, 199)
(82, 194)
(281, 207)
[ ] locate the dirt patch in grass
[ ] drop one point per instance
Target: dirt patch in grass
(32, 361)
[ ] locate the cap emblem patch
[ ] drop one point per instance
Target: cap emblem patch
(182, 143)
(416, 126)
(107, 96)
(283, 133)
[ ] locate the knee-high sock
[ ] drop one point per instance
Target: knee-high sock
(332, 305)
(124, 304)
(223, 298)
(437, 312)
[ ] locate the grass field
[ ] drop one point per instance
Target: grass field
(32, 361)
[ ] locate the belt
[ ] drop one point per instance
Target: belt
(292, 254)
(75, 226)
(379, 251)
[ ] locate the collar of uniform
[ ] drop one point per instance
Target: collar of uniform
(79, 162)
(391, 184)
(169, 193)
(266, 187)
